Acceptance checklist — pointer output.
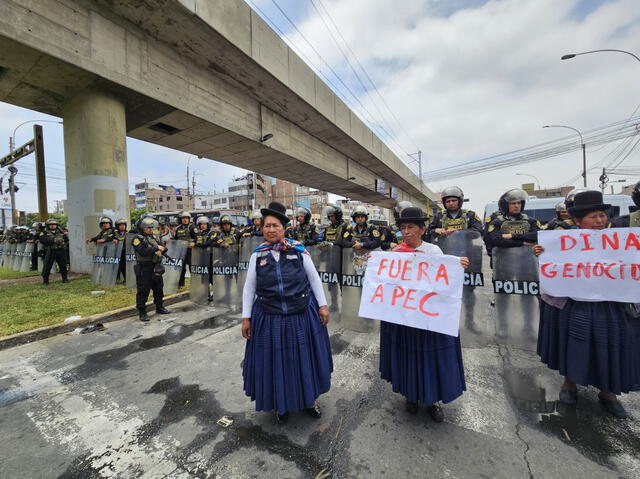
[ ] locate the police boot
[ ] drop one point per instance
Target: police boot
(45, 282)
(143, 316)
(162, 310)
(65, 279)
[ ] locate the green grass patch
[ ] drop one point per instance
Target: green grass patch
(6, 273)
(29, 306)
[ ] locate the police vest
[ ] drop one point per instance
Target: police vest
(57, 239)
(369, 230)
(183, 232)
(120, 235)
(634, 219)
(229, 237)
(459, 223)
(303, 232)
(515, 227)
(146, 241)
(333, 232)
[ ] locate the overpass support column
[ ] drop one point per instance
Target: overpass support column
(96, 168)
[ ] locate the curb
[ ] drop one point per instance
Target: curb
(55, 329)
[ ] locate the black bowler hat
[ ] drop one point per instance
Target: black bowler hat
(411, 215)
(276, 209)
(586, 202)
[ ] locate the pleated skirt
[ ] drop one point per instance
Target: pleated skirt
(423, 366)
(287, 361)
(592, 343)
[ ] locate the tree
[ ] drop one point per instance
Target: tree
(136, 214)
(31, 218)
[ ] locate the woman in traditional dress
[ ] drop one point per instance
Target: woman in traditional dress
(588, 342)
(287, 361)
(424, 366)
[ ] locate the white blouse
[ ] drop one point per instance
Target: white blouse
(249, 291)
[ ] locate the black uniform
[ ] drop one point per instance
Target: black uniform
(626, 221)
(306, 233)
(207, 238)
(55, 243)
(334, 233)
(230, 237)
(368, 235)
(107, 235)
(560, 224)
(254, 230)
(122, 266)
(464, 220)
(38, 249)
(521, 227)
(185, 233)
(147, 276)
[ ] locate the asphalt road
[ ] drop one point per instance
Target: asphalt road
(143, 400)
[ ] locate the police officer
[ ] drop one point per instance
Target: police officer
(228, 232)
(392, 234)
(305, 232)
(362, 235)
(38, 230)
(255, 229)
(205, 236)
(120, 234)
(106, 233)
(455, 217)
(185, 231)
(633, 219)
(55, 243)
(512, 228)
(334, 233)
(148, 268)
(216, 224)
(562, 221)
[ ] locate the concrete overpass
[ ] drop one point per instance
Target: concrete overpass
(207, 77)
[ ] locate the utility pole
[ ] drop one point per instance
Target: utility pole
(12, 194)
(584, 164)
(4, 219)
(193, 191)
(420, 167)
(40, 172)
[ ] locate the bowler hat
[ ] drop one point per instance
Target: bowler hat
(586, 202)
(411, 215)
(276, 209)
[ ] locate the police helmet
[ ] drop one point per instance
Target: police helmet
(226, 219)
(184, 214)
(334, 210)
(400, 205)
(256, 215)
(173, 222)
(359, 210)
(52, 221)
(105, 219)
(203, 220)
(452, 191)
(121, 221)
(216, 220)
(635, 194)
(36, 225)
(302, 211)
(515, 194)
(561, 207)
(568, 201)
(148, 223)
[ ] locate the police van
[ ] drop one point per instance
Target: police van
(544, 209)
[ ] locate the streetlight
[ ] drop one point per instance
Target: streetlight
(419, 160)
(584, 149)
(573, 55)
(532, 176)
(12, 138)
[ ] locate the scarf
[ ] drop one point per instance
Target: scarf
(404, 248)
(284, 245)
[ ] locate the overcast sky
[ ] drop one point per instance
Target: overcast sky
(465, 79)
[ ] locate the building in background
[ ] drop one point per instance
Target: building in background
(156, 197)
(560, 191)
(241, 192)
(216, 201)
(376, 213)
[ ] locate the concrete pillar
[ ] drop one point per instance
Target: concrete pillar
(96, 167)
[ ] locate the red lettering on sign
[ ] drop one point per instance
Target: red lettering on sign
(382, 265)
(378, 294)
(598, 269)
(585, 239)
(613, 243)
(398, 292)
(406, 269)
(424, 299)
(423, 270)
(565, 240)
(584, 269)
(395, 274)
(408, 298)
(442, 273)
(548, 274)
(632, 242)
(635, 272)
(567, 270)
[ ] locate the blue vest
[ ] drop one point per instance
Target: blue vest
(282, 286)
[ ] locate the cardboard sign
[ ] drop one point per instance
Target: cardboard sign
(601, 265)
(414, 289)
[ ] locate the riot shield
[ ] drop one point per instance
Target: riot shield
(354, 264)
(2, 251)
(226, 292)
(106, 262)
(10, 255)
(200, 270)
(26, 257)
(173, 259)
(469, 243)
(247, 246)
(515, 287)
(328, 263)
(18, 255)
(130, 261)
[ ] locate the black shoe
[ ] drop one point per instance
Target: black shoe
(613, 406)
(411, 407)
(65, 280)
(143, 317)
(162, 310)
(314, 411)
(45, 283)
(282, 418)
(568, 396)
(436, 412)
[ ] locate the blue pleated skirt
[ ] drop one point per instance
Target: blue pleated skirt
(287, 361)
(592, 343)
(423, 366)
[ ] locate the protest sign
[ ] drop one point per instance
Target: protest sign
(601, 265)
(414, 289)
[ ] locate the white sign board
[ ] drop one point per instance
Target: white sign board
(413, 289)
(601, 265)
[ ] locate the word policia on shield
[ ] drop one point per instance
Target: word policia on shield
(414, 289)
(593, 265)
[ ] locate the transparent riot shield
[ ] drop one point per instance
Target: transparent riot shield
(474, 325)
(2, 252)
(26, 257)
(200, 270)
(328, 263)
(515, 287)
(106, 262)
(247, 246)
(173, 259)
(226, 292)
(97, 269)
(354, 264)
(10, 256)
(18, 255)
(130, 261)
